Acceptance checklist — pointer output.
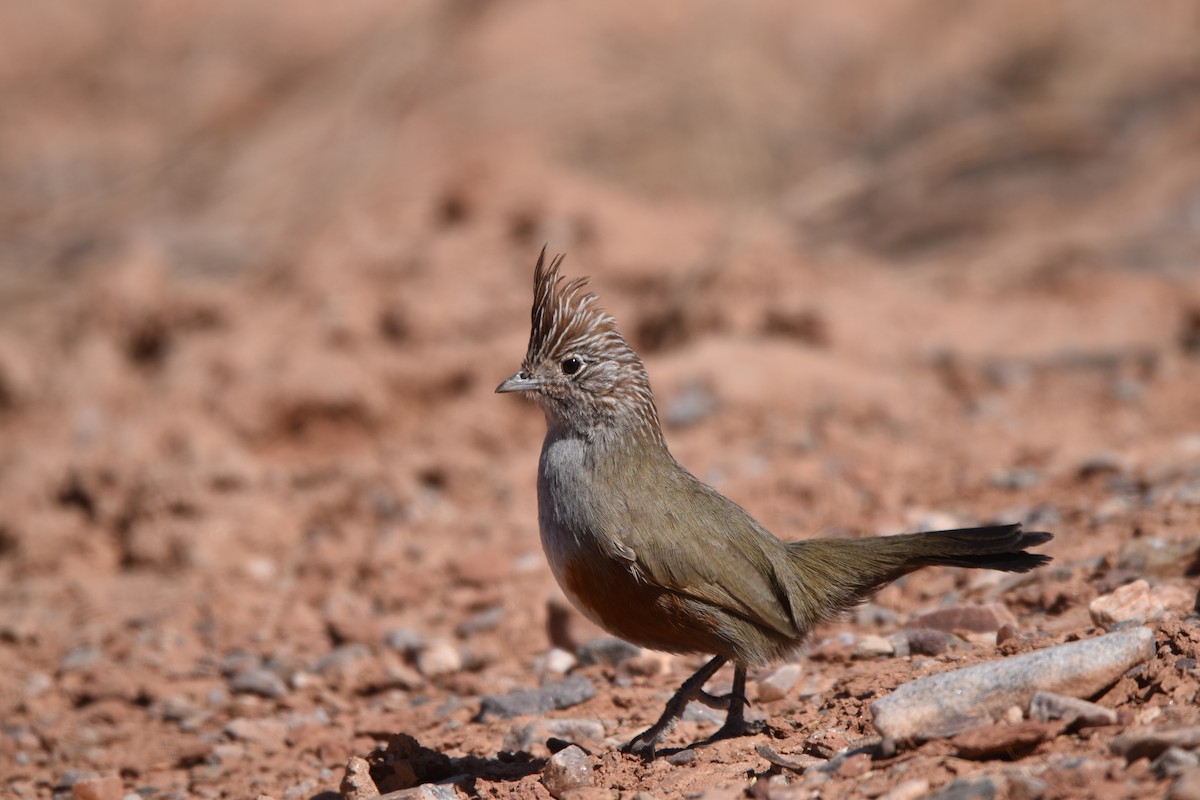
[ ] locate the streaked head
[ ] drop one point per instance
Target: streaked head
(578, 366)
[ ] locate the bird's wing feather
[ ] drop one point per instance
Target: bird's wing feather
(715, 552)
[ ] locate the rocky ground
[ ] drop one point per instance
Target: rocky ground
(266, 530)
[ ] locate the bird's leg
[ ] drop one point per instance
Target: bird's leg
(735, 721)
(691, 689)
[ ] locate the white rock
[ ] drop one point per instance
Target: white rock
(556, 661)
(1129, 603)
(872, 646)
(439, 657)
(777, 685)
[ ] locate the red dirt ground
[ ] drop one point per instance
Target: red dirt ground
(262, 266)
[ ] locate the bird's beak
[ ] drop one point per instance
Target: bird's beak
(521, 382)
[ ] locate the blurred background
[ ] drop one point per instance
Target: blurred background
(242, 136)
(262, 264)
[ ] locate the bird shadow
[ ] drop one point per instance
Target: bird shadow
(403, 762)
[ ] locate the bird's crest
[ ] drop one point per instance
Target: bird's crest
(564, 312)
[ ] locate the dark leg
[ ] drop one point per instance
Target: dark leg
(691, 689)
(735, 721)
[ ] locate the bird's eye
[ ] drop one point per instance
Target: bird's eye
(572, 364)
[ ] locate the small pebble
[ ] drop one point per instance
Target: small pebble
(1129, 603)
(426, 791)
(480, 622)
(778, 683)
(237, 661)
(1007, 631)
(404, 640)
(973, 787)
(357, 783)
(228, 752)
(567, 769)
(342, 660)
(1153, 742)
(439, 658)
(1015, 479)
(78, 658)
(270, 733)
(556, 661)
(1049, 706)
(926, 641)
(570, 691)
(682, 758)
(607, 650)
(1101, 463)
(37, 683)
(1024, 786)
(259, 681)
(1175, 761)
(872, 646)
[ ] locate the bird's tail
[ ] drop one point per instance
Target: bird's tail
(848, 571)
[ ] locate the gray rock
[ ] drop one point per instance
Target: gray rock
(426, 791)
(79, 657)
(237, 661)
(568, 692)
(1152, 742)
(404, 640)
(1015, 479)
(943, 704)
(607, 650)
(922, 642)
(259, 681)
(341, 659)
(974, 787)
(1048, 706)
(1175, 761)
(486, 620)
(1101, 463)
(569, 768)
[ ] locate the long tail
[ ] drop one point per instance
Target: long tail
(844, 572)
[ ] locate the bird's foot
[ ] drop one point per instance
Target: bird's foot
(692, 689)
(644, 744)
(718, 702)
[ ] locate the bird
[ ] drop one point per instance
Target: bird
(660, 559)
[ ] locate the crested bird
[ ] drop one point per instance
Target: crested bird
(658, 558)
